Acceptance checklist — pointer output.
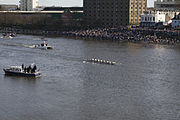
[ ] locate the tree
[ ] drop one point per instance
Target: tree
(0, 8)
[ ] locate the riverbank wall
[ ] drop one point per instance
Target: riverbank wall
(30, 32)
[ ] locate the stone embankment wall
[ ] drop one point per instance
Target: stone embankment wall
(30, 32)
(40, 20)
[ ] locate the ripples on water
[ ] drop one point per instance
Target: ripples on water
(145, 86)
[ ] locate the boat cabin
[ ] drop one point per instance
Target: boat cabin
(16, 69)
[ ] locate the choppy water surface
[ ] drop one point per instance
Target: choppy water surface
(145, 85)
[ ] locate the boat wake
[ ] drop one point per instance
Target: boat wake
(68, 58)
(17, 45)
(29, 46)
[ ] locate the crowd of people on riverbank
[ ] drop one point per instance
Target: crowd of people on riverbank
(124, 34)
(120, 34)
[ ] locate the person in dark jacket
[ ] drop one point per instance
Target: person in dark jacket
(29, 69)
(23, 66)
(34, 69)
(25, 69)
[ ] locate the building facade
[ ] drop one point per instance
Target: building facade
(170, 14)
(176, 21)
(167, 4)
(112, 13)
(7, 7)
(28, 5)
(152, 19)
(137, 7)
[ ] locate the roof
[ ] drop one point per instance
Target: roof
(31, 12)
(16, 67)
(63, 8)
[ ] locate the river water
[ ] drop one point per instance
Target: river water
(144, 85)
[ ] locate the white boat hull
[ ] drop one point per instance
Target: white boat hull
(42, 47)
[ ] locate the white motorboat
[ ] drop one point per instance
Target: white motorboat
(42, 46)
(9, 36)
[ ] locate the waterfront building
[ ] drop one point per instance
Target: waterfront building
(170, 14)
(8, 7)
(39, 8)
(168, 7)
(28, 5)
(167, 4)
(152, 19)
(112, 13)
(176, 21)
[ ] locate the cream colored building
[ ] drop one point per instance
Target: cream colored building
(137, 7)
(28, 5)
